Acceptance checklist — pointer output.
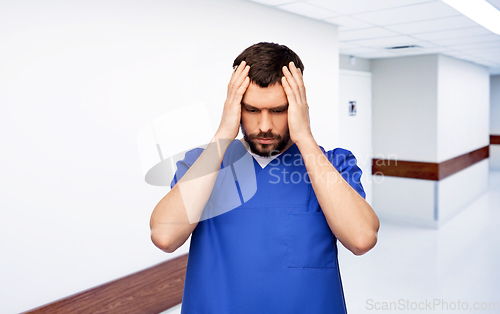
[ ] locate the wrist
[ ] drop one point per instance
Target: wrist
(223, 136)
(222, 140)
(304, 139)
(226, 132)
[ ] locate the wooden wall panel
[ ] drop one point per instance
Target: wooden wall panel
(454, 165)
(405, 169)
(149, 291)
(495, 139)
(428, 170)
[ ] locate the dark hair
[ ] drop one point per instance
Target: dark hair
(266, 61)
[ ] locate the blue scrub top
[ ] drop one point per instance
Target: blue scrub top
(274, 253)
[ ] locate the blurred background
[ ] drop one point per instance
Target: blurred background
(411, 87)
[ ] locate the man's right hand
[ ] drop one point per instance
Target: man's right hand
(231, 115)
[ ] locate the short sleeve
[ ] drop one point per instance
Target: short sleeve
(183, 165)
(346, 164)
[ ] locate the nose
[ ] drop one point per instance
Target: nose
(265, 123)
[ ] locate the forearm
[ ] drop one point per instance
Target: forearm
(349, 216)
(176, 215)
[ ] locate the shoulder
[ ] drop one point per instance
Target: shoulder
(191, 156)
(189, 159)
(183, 165)
(346, 164)
(339, 156)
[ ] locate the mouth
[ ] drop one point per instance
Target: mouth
(265, 140)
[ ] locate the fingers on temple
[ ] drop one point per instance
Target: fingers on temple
(243, 87)
(292, 82)
(288, 90)
(241, 79)
(238, 72)
(297, 74)
(242, 82)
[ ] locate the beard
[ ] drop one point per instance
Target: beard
(266, 150)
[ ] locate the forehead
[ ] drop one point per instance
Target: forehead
(268, 97)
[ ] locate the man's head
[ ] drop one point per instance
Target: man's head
(264, 117)
(266, 61)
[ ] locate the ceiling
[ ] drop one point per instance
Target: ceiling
(367, 28)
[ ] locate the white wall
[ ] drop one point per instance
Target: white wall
(404, 108)
(459, 190)
(463, 107)
(428, 109)
(495, 104)
(495, 120)
(78, 80)
(463, 116)
(356, 131)
(360, 64)
(495, 157)
(405, 200)
(428, 203)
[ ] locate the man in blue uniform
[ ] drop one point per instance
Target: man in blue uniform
(265, 212)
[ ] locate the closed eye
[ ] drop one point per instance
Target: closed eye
(278, 111)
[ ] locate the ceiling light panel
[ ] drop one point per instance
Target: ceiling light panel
(435, 25)
(411, 13)
(479, 11)
(348, 7)
(308, 10)
(495, 3)
(366, 33)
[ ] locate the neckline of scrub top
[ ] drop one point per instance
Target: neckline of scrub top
(263, 161)
(267, 160)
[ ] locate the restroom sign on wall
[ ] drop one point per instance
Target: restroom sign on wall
(352, 108)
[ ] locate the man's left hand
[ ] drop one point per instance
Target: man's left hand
(298, 110)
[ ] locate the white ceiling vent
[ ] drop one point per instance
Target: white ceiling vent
(404, 50)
